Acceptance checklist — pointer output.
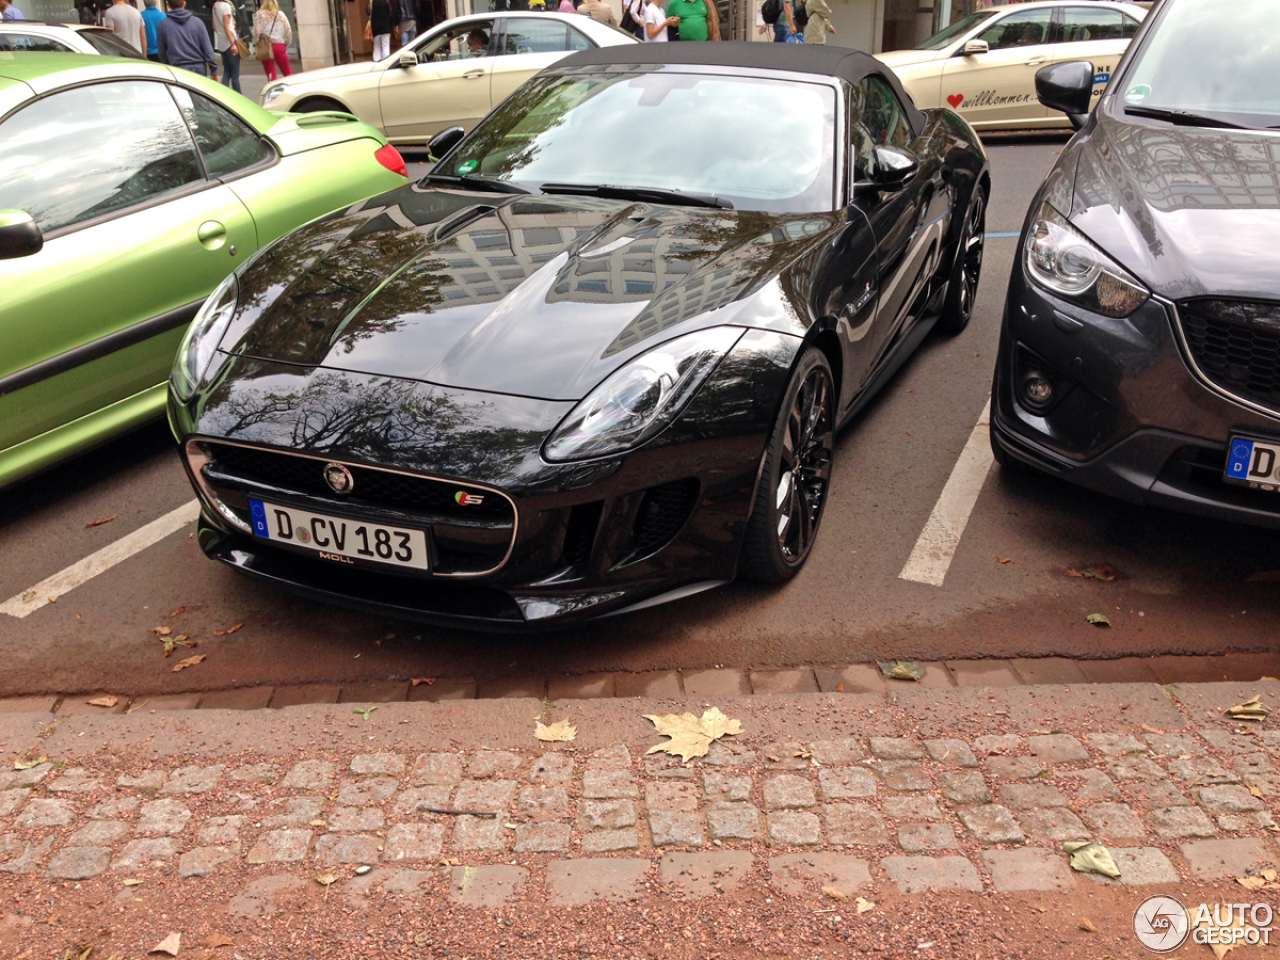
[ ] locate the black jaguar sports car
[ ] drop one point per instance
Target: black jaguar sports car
(596, 359)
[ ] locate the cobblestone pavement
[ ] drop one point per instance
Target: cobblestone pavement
(568, 825)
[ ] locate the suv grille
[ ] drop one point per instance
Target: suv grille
(1236, 344)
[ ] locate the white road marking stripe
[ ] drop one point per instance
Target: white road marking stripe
(931, 557)
(103, 560)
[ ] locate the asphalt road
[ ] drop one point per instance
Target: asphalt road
(1180, 587)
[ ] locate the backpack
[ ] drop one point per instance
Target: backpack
(771, 10)
(800, 14)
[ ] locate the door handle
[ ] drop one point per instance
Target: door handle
(472, 74)
(211, 234)
(1034, 60)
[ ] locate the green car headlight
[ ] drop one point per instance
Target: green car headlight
(203, 337)
(637, 401)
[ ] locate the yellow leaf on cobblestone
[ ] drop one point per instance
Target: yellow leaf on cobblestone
(189, 662)
(132, 882)
(1092, 857)
(162, 631)
(1087, 925)
(864, 905)
(1220, 950)
(107, 701)
(692, 736)
(1268, 875)
(170, 945)
(901, 670)
(215, 940)
(328, 877)
(28, 764)
(1251, 883)
(1251, 709)
(834, 894)
(559, 732)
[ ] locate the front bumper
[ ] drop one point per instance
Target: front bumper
(1130, 419)
(552, 544)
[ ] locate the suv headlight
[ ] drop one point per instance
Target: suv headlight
(637, 401)
(203, 337)
(1061, 259)
(272, 92)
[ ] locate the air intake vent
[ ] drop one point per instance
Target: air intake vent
(584, 520)
(661, 515)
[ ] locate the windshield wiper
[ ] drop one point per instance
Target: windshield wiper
(487, 184)
(1181, 118)
(653, 194)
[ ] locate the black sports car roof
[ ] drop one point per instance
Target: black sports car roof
(824, 60)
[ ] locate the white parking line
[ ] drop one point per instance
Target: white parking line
(931, 557)
(63, 582)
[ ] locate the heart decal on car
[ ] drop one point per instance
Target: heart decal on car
(955, 100)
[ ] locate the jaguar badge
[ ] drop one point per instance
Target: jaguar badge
(338, 478)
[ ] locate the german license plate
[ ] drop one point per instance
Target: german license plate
(1254, 462)
(336, 538)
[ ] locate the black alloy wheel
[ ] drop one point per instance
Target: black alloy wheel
(796, 477)
(963, 287)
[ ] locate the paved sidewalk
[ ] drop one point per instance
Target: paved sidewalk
(945, 807)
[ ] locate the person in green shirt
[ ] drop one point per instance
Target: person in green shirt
(693, 18)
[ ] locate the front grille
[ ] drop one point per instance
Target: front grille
(469, 535)
(372, 488)
(1236, 344)
(662, 514)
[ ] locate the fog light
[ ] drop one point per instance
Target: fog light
(1037, 390)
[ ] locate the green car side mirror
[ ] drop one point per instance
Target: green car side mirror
(20, 235)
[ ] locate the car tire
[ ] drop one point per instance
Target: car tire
(786, 516)
(316, 104)
(967, 269)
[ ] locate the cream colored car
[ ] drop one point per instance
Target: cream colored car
(452, 75)
(984, 66)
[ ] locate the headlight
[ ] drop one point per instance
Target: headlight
(202, 339)
(637, 401)
(1060, 258)
(271, 93)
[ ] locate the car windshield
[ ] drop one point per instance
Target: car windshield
(757, 144)
(1235, 77)
(108, 44)
(957, 29)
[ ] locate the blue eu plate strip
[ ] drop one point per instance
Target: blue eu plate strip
(1238, 462)
(259, 514)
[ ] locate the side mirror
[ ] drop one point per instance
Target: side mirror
(444, 141)
(408, 59)
(1067, 87)
(20, 235)
(975, 47)
(894, 166)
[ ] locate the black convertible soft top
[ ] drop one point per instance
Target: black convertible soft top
(823, 60)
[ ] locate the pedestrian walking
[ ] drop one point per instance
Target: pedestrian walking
(819, 25)
(270, 23)
(9, 12)
(656, 23)
(777, 14)
(151, 17)
(696, 19)
(598, 10)
(408, 11)
(123, 19)
(182, 41)
(633, 18)
(380, 27)
(224, 42)
(566, 6)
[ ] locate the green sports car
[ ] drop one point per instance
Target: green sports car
(128, 191)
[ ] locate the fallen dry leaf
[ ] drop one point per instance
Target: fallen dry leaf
(806, 753)
(1150, 729)
(1251, 883)
(98, 523)
(901, 670)
(132, 882)
(178, 611)
(1092, 857)
(1268, 875)
(1085, 924)
(1098, 619)
(1260, 795)
(53, 599)
(559, 732)
(692, 736)
(227, 632)
(1220, 950)
(28, 764)
(839, 688)
(172, 643)
(1103, 572)
(107, 701)
(189, 662)
(215, 940)
(169, 945)
(1004, 559)
(328, 877)
(429, 681)
(864, 905)
(162, 631)
(1251, 709)
(835, 894)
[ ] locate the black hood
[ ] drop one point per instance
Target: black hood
(1189, 211)
(536, 296)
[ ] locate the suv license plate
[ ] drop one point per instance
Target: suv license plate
(1254, 462)
(337, 538)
